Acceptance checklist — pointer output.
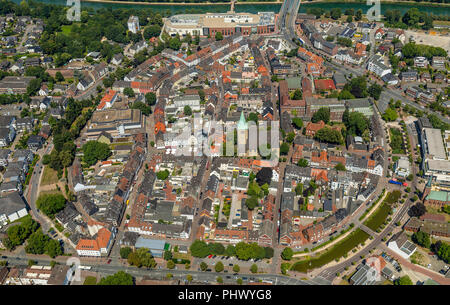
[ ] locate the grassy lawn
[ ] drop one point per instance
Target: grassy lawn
(50, 176)
(379, 216)
(51, 192)
(90, 280)
(337, 251)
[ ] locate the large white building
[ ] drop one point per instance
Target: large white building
(377, 66)
(402, 167)
(133, 24)
(225, 23)
(98, 246)
(435, 160)
(400, 244)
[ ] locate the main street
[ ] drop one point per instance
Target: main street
(330, 273)
(32, 190)
(160, 273)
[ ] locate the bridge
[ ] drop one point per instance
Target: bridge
(286, 20)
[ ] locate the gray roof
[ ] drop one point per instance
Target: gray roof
(358, 103)
(11, 204)
(151, 244)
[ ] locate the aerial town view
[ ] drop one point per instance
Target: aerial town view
(228, 142)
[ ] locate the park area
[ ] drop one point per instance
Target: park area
(49, 176)
(336, 252)
(397, 144)
(379, 216)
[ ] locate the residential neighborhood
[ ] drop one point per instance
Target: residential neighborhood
(272, 147)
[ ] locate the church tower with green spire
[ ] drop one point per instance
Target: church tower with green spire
(242, 135)
(427, 188)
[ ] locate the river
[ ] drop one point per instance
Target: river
(254, 8)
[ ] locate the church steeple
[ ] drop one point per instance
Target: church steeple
(427, 188)
(242, 124)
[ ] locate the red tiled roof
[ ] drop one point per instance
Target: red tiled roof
(324, 84)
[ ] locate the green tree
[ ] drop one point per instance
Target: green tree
(167, 255)
(187, 110)
(404, 280)
(254, 268)
(287, 254)
(236, 268)
(94, 151)
(53, 248)
(230, 250)
(340, 167)
(203, 266)
(239, 281)
(163, 175)
(323, 114)
(251, 202)
(219, 280)
(50, 204)
(422, 238)
(290, 137)
(390, 115)
(36, 243)
(358, 15)
(355, 122)
(125, 252)
(152, 31)
(128, 92)
(375, 91)
(170, 264)
(218, 36)
(357, 87)
(328, 135)
(174, 43)
(119, 278)
(219, 267)
(144, 108)
(268, 252)
(335, 13)
(59, 77)
(150, 98)
(297, 95)
(442, 249)
(284, 148)
(297, 122)
(303, 163)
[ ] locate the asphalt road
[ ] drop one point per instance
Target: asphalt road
(159, 274)
(33, 188)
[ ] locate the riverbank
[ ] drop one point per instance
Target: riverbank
(263, 2)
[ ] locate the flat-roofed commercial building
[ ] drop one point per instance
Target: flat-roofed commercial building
(225, 23)
(435, 161)
(434, 144)
(117, 123)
